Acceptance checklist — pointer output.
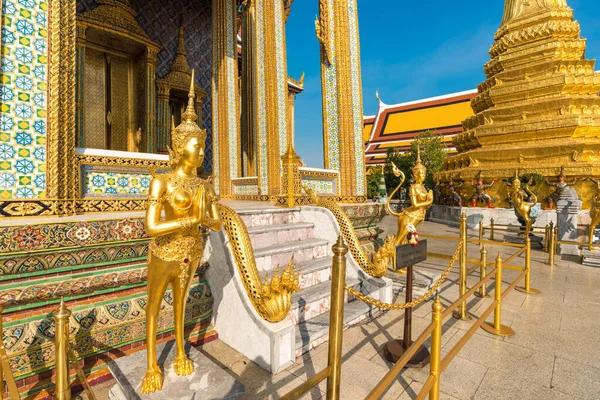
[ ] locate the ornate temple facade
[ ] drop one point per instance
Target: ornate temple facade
(90, 91)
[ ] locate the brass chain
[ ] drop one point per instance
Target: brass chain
(388, 306)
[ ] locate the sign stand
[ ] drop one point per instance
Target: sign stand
(394, 349)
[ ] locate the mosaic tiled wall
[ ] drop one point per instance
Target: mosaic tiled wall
(321, 186)
(245, 189)
(43, 262)
(118, 183)
(26, 238)
(23, 95)
(162, 23)
(97, 328)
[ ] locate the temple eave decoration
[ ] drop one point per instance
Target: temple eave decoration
(116, 16)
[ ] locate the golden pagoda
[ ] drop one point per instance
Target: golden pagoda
(539, 107)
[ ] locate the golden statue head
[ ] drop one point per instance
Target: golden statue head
(187, 139)
(516, 180)
(419, 170)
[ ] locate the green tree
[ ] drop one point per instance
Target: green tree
(373, 177)
(432, 151)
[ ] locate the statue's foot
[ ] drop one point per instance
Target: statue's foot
(183, 365)
(153, 380)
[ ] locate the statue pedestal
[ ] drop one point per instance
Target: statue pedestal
(536, 241)
(567, 210)
(591, 258)
(208, 381)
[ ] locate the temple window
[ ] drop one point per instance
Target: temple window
(115, 80)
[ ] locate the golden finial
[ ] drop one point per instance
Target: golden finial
(186, 129)
(418, 164)
(172, 123)
(190, 113)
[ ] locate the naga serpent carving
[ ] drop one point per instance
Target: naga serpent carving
(272, 299)
(378, 267)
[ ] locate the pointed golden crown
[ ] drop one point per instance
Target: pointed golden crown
(419, 166)
(188, 127)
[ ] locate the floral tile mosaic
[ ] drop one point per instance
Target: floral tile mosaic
(321, 186)
(126, 184)
(23, 95)
(245, 189)
(69, 234)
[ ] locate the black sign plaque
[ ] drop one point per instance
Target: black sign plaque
(408, 255)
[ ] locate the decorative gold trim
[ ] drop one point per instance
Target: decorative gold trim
(322, 30)
(62, 178)
(85, 159)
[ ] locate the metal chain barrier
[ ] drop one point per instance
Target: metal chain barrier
(402, 306)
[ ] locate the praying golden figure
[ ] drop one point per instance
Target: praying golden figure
(420, 199)
(177, 245)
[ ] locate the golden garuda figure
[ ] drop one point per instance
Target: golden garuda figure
(420, 199)
(560, 187)
(189, 207)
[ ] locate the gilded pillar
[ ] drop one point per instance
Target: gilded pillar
(79, 84)
(227, 163)
(337, 30)
(163, 125)
(248, 88)
(290, 115)
(62, 176)
(272, 55)
(149, 123)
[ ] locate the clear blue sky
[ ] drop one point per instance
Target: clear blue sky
(409, 50)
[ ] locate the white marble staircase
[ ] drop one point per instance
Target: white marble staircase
(306, 233)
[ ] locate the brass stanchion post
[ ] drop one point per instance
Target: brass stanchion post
(480, 234)
(527, 288)
(5, 371)
(551, 246)
(497, 328)
(492, 229)
(336, 319)
(61, 319)
(546, 239)
(482, 273)
(461, 312)
(436, 347)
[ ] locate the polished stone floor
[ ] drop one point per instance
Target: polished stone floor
(555, 353)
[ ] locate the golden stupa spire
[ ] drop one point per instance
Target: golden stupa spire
(518, 8)
(190, 113)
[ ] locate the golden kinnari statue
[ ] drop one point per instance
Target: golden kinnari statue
(177, 243)
(594, 211)
(520, 203)
(420, 199)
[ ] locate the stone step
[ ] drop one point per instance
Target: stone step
(269, 257)
(268, 235)
(269, 216)
(312, 272)
(314, 300)
(311, 333)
